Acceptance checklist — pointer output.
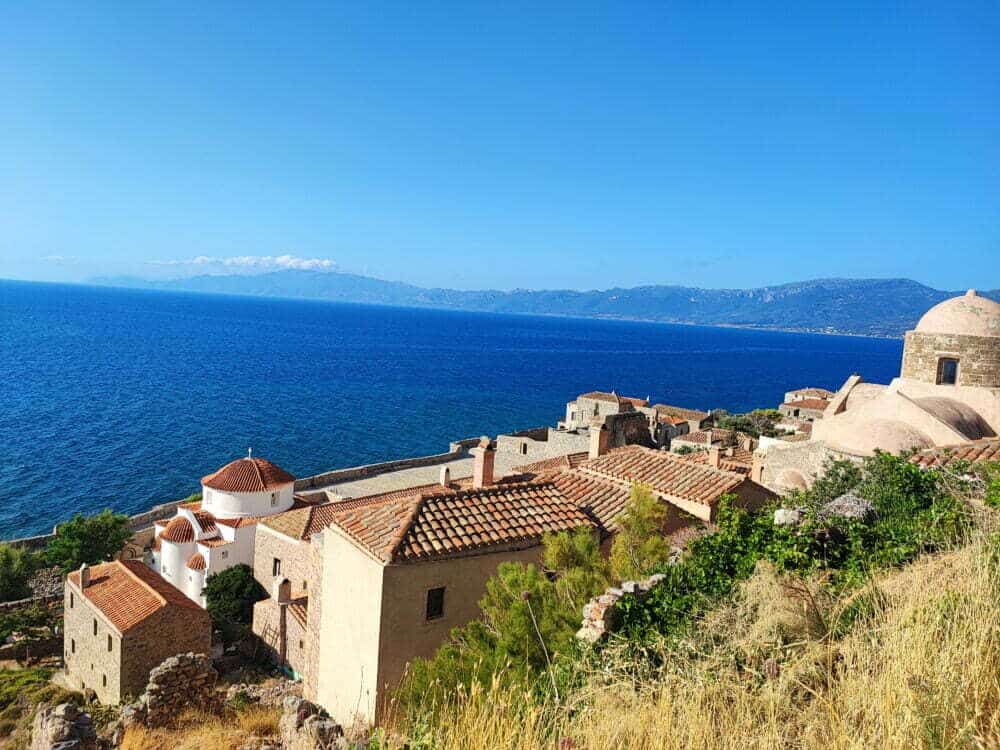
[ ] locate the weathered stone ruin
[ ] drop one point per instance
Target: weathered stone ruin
(599, 612)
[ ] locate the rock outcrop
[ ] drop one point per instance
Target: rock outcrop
(64, 727)
(599, 612)
(306, 726)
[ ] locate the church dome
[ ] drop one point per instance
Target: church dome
(197, 562)
(248, 475)
(179, 531)
(968, 315)
(962, 418)
(887, 435)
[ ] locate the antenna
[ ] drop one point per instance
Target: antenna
(249, 452)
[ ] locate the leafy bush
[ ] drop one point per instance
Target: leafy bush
(27, 617)
(754, 423)
(88, 539)
(16, 568)
(230, 596)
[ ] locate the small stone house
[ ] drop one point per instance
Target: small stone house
(121, 620)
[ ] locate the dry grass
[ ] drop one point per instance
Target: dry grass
(921, 670)
(200, 731)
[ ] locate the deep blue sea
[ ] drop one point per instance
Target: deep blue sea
(124, 398)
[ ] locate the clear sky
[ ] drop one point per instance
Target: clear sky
(571, 145)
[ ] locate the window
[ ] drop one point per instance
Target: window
(224, 554)
(305, 585)
(524, 449)
(302, 645)
(109, 641)
(435, 603)
(947, 371)
(72, 645)
(104, 680)
(274, 499)
(71, 600)
(95, 626)
(276, 567)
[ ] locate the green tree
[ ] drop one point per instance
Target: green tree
(16, 568)
(754, 423)
(88, 539)
(640, 546)
(230, 596)
(580, 569)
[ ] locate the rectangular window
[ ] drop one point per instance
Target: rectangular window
(276, 567)
(274, 499)
(104, 680)
(71, 600)
(72, 645)
(947, 371)
(109, 641)
(524, 449)
(95, 626)
(435, 604)
(224, 554)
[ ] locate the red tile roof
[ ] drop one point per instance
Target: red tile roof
(667, 473)
(248, 475)
(737, 459)
(975, 451)
(613, 398)
(237, 523)
(701, 437)
(127, 592)
(179, 531)
(680, 411)
(821, 393)
(553, 464)
(454, 523)
(602, 498)
(197, 562)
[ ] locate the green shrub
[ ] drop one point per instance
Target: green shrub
(17, 565)
(639, 545)
(230, 596)
(88, 539)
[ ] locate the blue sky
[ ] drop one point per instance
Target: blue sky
(504, 145)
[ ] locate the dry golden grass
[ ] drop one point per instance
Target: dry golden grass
(922, 671)
(200, 731)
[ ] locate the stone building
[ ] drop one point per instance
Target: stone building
(587, 407)
(219, 531)
(947, 393)
(122, 619)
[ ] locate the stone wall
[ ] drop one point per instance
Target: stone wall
(599, 612)
(88, 661)
(63, 727)
(978, 358)
(181, 681)
(369, 470)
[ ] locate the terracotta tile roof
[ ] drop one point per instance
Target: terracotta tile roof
(602, 498)
(179, 531)
(667, 473)
(248, 475)
(670, 419)
(215, 542)
(680, 411)
(701, 437)
(206, 520)
(454, 523)
(193, 505)
(613, 398)
(821, 393)
(197, 562)
(553, 464)
(817, 404)
(237, 523)
(737, 459)
(127, 592)
(975, 451)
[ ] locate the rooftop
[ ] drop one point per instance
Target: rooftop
(680, 411)
(708, 437)
(822, 393)
(128, 592)
(819, 404)
(614, 398)
(248, 475)
(455, 523)
(974, 452)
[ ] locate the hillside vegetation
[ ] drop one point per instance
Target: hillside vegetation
(833, 634)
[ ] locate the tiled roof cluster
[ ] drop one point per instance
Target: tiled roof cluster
(821, 393)
(604, 499)
(613, 398)
(737, 459)
(559, 463)
(248, 475)
(976, 451)
(178, 531)
(667, 473)
(128, 592)
(453, 523)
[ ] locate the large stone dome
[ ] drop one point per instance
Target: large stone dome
(889, 435)
(968, 315)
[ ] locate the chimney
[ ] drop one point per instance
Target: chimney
(748, 443)
(84, 576)
(600, 438)
(757, 469)
(444, 477)
(713, 456)
(482, 470)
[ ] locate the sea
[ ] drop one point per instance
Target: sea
(122, 398)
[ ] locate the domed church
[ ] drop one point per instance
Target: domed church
(947, 393)
(218, 531)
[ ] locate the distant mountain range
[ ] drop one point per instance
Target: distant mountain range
(870, 307)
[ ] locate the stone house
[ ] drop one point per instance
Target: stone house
(704, 439)
(122, 619)
(587, 407)
(694, 418)
(808, 409)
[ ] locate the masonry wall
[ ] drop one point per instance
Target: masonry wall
(89, 663)
(310, 667)
(173, 630)
(405, 631)
(978, 356)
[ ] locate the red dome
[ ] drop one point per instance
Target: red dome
(248, 475)
(179, 531)
(197, 562)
